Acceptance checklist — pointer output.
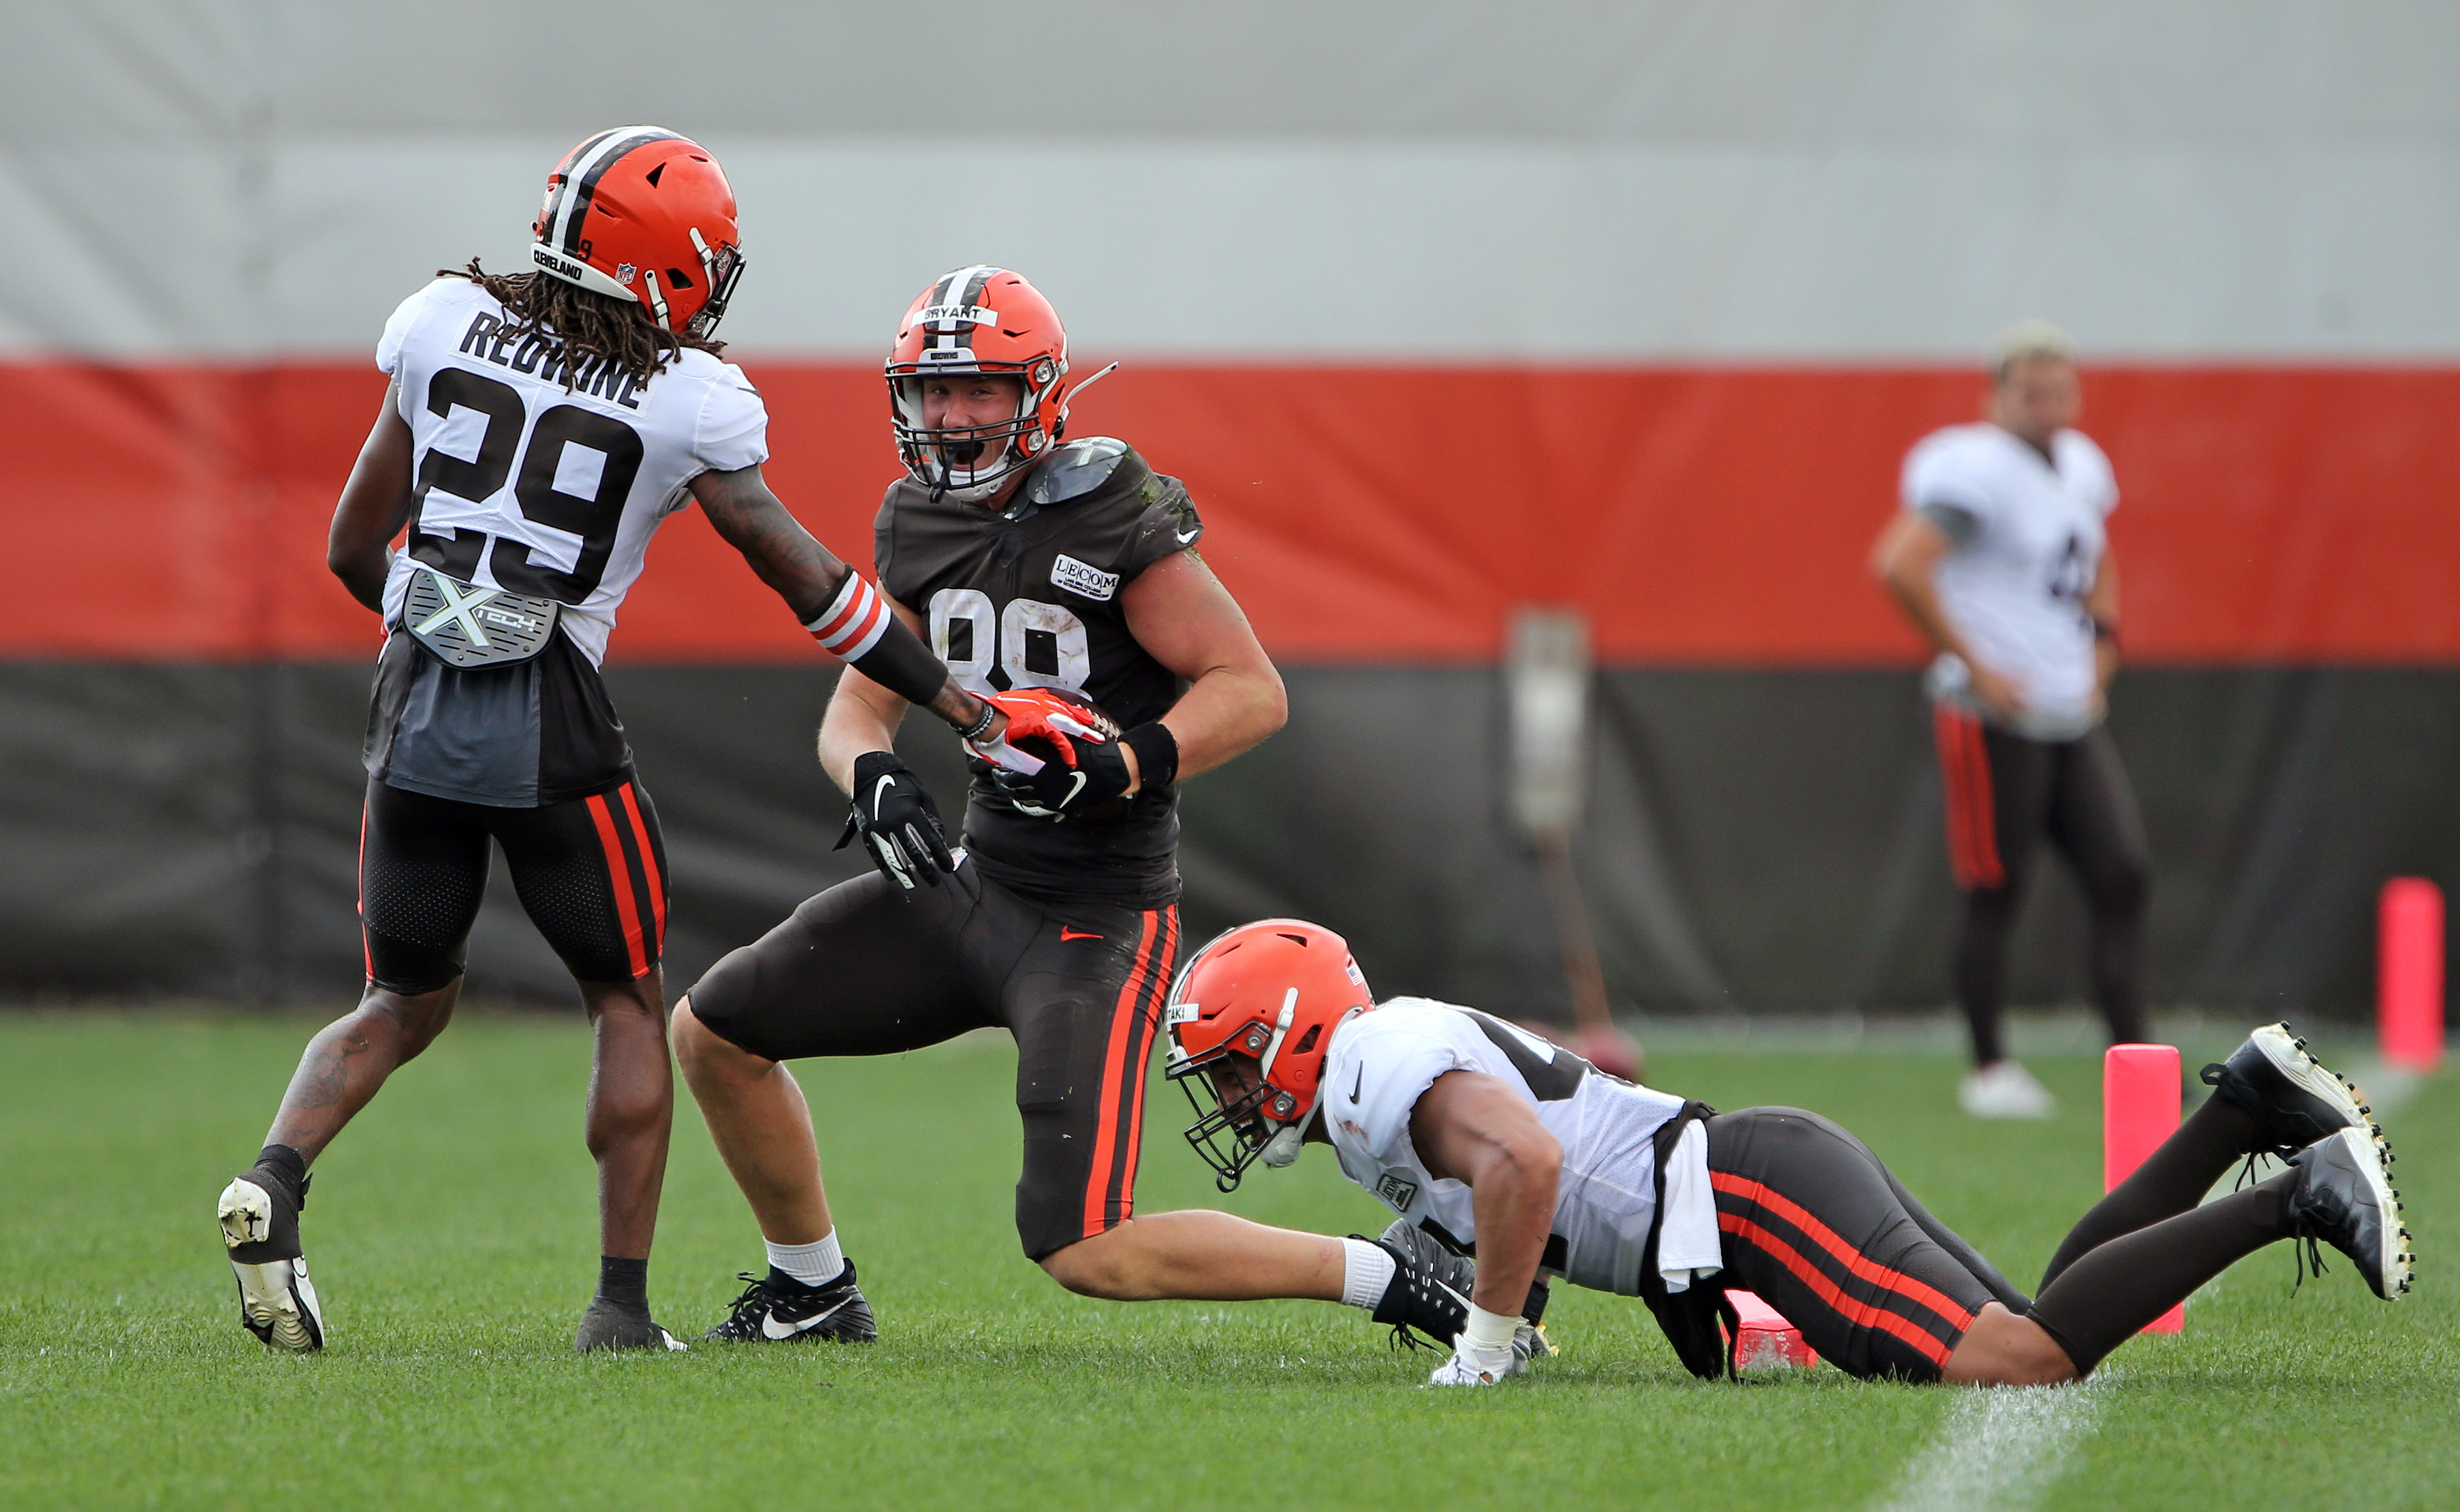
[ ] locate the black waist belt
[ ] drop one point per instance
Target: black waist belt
(1697, 1321)
(463, 624)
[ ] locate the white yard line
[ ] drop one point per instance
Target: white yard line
(2001, 1448)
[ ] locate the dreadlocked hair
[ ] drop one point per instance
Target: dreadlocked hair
(588, 323)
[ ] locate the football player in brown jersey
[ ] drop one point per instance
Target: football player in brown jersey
(1048, 573)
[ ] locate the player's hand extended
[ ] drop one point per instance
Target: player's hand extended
(1089, 768)
(894, 814)
(1997, 691)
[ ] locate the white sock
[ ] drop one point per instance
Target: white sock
(814, 1265)
(1366, 1272)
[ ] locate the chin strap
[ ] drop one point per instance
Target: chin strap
(657, 300)
(1284, 1147)
(1280, 1032)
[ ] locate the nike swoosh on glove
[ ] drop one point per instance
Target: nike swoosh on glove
(894, 814)
(1089, 770)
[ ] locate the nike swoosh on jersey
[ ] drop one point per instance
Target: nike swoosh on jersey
(1065, 933)
(1357, 1082)
(770, 1329)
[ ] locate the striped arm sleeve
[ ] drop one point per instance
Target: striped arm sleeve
(858, 630)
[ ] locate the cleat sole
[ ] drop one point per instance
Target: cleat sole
(2372, 1156)
(277, 1303)
(2289, 1056)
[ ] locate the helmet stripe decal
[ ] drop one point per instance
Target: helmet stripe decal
(560, 186)
(581, 185)
(960, 290)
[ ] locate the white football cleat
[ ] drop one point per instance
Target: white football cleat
(277, 1303)
(2004, 1090)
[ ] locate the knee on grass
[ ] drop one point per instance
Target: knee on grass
(2003, 1349)
(1099, 1266)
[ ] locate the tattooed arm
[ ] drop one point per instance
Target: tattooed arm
(810, 578)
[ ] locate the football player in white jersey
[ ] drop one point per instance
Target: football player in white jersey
(1490, 1139)
(538, 429)
(2000, 558)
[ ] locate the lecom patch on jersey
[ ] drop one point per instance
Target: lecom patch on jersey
(1089, 582)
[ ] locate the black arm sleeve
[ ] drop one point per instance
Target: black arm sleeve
(900, 662)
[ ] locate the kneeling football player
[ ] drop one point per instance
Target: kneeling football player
(1060, 580)
(1483, 1136)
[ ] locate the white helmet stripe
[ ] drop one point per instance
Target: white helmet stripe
(559, 195)
(581, 184)
(960, 289)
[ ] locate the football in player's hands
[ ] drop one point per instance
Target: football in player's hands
(1059, 755)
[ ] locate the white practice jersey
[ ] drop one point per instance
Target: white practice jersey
(2014, 586)
(1384, 1060)
(533, 487)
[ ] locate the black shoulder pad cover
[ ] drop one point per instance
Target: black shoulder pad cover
(1074, 470)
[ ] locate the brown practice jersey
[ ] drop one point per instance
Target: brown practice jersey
(1029, 597)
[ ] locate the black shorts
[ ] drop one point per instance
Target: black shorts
(1812, 1221)
(591, 873)
(861, 971)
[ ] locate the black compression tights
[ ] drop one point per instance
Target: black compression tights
(2142, 1248)
(2116, 960)
(2074, 794)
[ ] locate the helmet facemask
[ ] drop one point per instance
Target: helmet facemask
(970, 463)
(1241, 1115)
(723, 266)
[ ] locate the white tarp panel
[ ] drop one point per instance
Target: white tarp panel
(1346, 182)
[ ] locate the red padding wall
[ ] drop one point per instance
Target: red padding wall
(1702, 515)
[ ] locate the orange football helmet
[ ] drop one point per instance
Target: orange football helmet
(1250, 1020)
(979, 320)
(641, 213)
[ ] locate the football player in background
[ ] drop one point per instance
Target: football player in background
(1058, 578)
(538, 428)
(2000, 558)
(1484, 1136)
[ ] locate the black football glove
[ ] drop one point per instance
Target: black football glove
(894, 814)
(1059, 790)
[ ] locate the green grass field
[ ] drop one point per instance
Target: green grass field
(453, 1240)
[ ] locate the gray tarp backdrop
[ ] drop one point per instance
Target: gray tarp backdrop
(1762, 841)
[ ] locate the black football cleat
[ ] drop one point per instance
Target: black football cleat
(2294, 1099)
(611, 1326)
(776, 1309)
(1421, 1303)
(258, 1213)
(1460, 1273)
(2343, 1196)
